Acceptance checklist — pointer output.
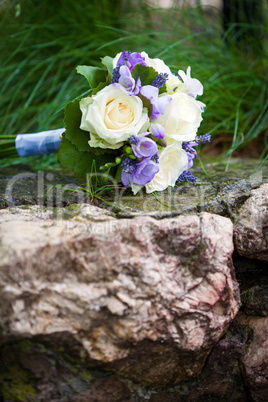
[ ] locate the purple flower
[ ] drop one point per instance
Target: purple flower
(190, 159)
(159, 103)
(129, 165)
(157, 130)
(160, 80)
(143, 147)
(202, 139)
(191, 152)
(130, 59)
(127, 82)
(143, 174)
(186, 176)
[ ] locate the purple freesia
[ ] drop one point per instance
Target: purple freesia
(191, 152)
(190, 159)
(127, 82)
(131, 59)
(157, 130)
(142, 146)
(143, 174)
(158, 103)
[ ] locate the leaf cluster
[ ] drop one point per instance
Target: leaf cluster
(75, 152)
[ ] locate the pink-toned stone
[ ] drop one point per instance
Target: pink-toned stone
(251, 227)
(142, 297)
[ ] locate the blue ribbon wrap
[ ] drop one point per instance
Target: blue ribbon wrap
(42, 143)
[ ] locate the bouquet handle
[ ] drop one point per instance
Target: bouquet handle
(44, 142)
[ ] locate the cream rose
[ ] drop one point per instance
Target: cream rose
(181, 119)
(157, 64)
(173, 161)
(112, 116)
(115, 59)
(173, 81)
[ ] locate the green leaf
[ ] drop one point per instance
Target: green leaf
(163, 89)
(147, 74)
(118, 174)
(146, 103)
(81, 163)
(73, 133)
(107, 61)
(98, 88)
(78, 162)
(94, 75)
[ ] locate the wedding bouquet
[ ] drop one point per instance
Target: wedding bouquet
(139, 123)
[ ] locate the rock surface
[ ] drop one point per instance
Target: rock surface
(253, 280)
(255, 361)
(236, 370)
(38, 370)
(251, 228)
(221, 192)
(221, 378)
(96, 308)
(145, 298)
(20, 185)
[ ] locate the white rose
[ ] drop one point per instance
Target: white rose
(173, 83)
(157, 64)
(181, 119)
(112, 116)
(115, 59)
(173, 161)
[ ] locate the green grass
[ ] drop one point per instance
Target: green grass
(42, 42)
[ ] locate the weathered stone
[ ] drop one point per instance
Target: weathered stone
(36, 371)
(236, 370)
(220, 192)
(221, 378)
(146, 299)
(46, 368)
(251, 227)
(106, 305)
(20, 185)
(253, 284)
(255, 361)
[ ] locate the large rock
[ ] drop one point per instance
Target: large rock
(96, 308)
(251, 228)
(144, 298)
